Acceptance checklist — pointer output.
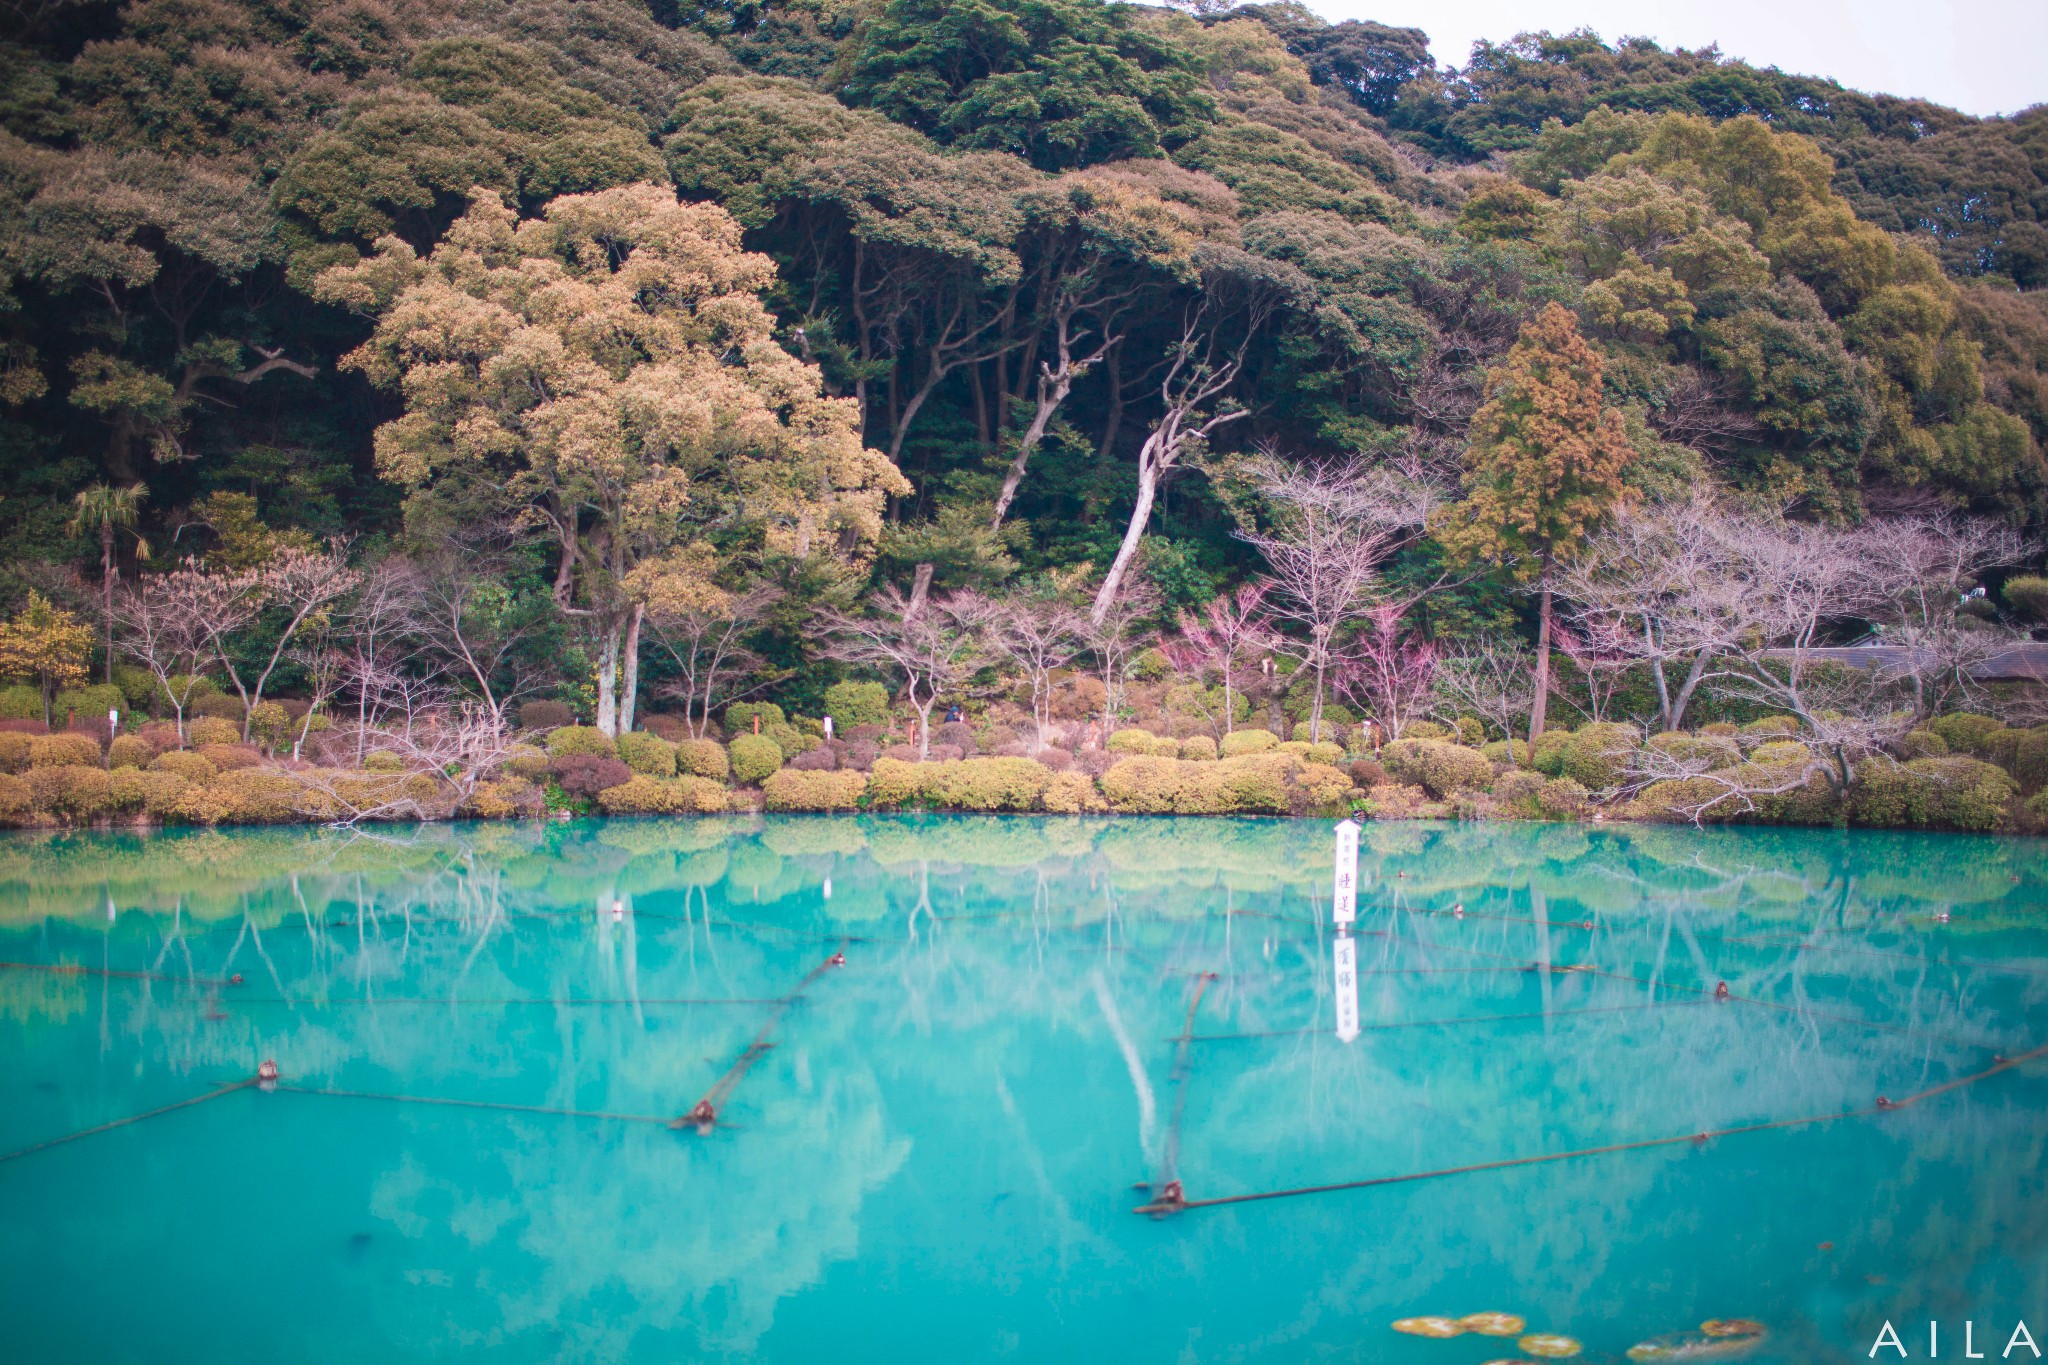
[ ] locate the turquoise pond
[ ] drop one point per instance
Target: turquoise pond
(933, 1152)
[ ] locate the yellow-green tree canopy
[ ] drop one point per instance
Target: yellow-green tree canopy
(1547, 456)
(612, 365)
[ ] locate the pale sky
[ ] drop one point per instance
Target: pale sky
(1980, 56)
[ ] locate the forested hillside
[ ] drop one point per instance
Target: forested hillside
(644, 308)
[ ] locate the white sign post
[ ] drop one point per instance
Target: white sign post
(1344, 889)
(1347, 987)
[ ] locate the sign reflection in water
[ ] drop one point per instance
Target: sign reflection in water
(933, 1159)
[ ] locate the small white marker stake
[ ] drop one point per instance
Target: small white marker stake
(1347, 988)
(1344, 889)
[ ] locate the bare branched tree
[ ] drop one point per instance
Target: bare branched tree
(1116, 638)
(932, 646)
(1493, 676)
(1919, 570)
(1224, 638)
(163, 626)
(706, 637)
(1035, 635)
(297, 584)
(1335, 525)
(1388, 672)
(1663, 586)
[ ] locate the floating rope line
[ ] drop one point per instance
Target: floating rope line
(1163, 1205)
(506, 1000)
(1719, 991)
(1452, 1023)
(332, 1093)
(703, 1115)
(124, 1122)
(72, 969)
(1167, 1185)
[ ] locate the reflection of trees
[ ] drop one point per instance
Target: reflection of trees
(1014, 987)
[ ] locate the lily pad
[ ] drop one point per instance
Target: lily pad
(1492, 1324)
(1437, 1327)
(1549, 1346)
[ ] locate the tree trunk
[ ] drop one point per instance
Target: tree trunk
(629, 688)
(608, 681)
(1050, 396)
(1537, 707)
(1141, 513)
(107, 591)
(920, 588)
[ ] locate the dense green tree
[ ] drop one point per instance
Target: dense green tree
(1061, 83)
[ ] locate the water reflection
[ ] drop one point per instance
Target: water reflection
(938, 1152)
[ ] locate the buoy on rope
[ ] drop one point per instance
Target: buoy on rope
(836, 960)
(1458, 910)
(1721, 991)
(266, 1074)
(618, 909)
(704, 1117)
(1883, 1102)
(1941, 917)
(235, 980)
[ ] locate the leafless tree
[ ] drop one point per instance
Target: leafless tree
(707, 639)
(1035, 635)
(444, 752)
(461, 612)
(1238, 299)
(1663, 585)
(1919, 570)
(1388, 672)
(1335, 525)
(1799, 582)
(1493, 676)
(1602, 655)
(161, 619)
(1056, 379)
(1231, 630)
(375, 652)
(933, 646)
(1116, 638)
(296, 583)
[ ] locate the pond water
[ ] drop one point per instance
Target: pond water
(933, 1152)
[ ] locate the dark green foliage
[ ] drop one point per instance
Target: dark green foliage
(1061, 83)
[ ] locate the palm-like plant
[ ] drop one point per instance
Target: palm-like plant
(103, 509)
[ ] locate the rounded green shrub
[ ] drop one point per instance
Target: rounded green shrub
(1783, 727)
(1426, 729)
(212, 730)
(1071, 793)
(527, 761)
(1952, 793)
(1598, 755)
(987, 784)
(1240, 742)
(838, 789)
(71, 791)
(2029, 764)
(1198, 749)
(1326, 753)
(130, 751)
(15, 797)
(1517, 789)
(1922, 744)
(789, 738)
(383, 761)
(1437, 767)
(1131, 740)
(1561, 798)
(270, 724)
(2027, 596)
(19, 701)
(1546, 755)
(1965, 732)
(190, 766)
(1471, 731)
(88, 703)
(63, 750)
(581, 739)
(740, 716)
(218, 705)
(643, 795)
(648, 755)
(1713, 751)
(856, 703)
(703, 758)
(14, 751)
(755, 758)
(893, 782)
